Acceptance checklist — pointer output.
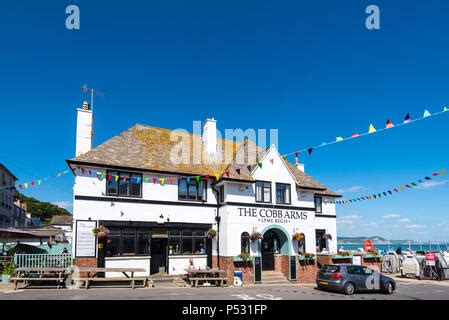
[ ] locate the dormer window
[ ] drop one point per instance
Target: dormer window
(263, 191)
(283, 193)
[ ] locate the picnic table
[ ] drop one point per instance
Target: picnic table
(36, 274)
(128, 275)
(205, 277)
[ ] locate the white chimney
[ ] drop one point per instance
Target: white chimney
(210, 136)
(299, 166)
(84, 129)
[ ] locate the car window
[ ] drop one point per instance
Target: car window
(330, 269)
(368, 271)
(355, 270)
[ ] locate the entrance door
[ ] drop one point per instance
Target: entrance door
(158, 255)
(270, 246)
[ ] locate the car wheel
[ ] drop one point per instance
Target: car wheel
(389, 288)
(349, 288)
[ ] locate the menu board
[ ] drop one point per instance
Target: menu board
(292, 265)
(257, 270)
(85, 245)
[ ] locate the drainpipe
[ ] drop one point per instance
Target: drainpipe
(217, 219)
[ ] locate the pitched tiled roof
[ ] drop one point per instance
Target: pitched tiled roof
(61, 220)
(151, 148)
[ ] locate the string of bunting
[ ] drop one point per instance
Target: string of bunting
(392, 191)
(35, 183)
(371, 130)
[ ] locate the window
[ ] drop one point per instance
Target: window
(283, 193)
(355, 270)
(263, 191)
(124, 184)
(128, 241)
(190, 189)
(222, 195)
(174, 242)
(318, 204)
(245, 243)
(143, 242)
(302, 244)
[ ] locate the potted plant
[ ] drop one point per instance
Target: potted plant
(8, 272)
(211, 233)
(255, 235)
(100, 232)
(297, 236)
(327, 236)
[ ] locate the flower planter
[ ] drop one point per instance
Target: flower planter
(306, 261)
(337, 257)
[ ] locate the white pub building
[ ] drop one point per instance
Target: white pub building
(165, 216)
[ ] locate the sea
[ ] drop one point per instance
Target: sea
(394, 246)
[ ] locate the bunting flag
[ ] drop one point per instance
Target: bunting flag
(411, 185)
(162, 180)
(272, 161)
(407, 119)
(227, 173)
(237, 170)
(371, 130)
(197, 178)
(249, 168)
(260, 165)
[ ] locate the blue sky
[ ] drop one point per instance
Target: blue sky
(310, 69)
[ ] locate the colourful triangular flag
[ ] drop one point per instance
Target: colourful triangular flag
(310, 151)
(237, 170)
(284, 157)
(296, 154)
(39, 182)
(272, 161)
(217, 176)
(407, 118)
(197, 178)
(26, 185)
(147, 179)
(227, 173)
(249, 168)
(426, 113)
(371, 129)
(355, 135)
(207, 178)
(162, 180)
(389, 124)
(260, 165)
(171, 180)
(20, 186)
(443, 172)
(188, 180)
(154, 180)
(323, 144)
(338, 139)
(445, 109)
(179, 180)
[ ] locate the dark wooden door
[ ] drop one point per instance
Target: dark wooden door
(268, 250)
(158, 255)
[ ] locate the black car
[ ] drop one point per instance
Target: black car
(350, 278)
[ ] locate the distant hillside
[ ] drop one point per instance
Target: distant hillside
(373, 239)
(42, 210)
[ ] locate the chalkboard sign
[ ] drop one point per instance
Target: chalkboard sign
(257, 270)
(292, 267)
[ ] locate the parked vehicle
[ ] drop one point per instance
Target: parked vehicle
(348, 278)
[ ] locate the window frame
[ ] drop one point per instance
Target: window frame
(245, 236)
(203, 190)
(263, 191)
(130, 174)
(289, 192)
(321, 204)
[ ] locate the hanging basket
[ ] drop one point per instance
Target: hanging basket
(297, 236)
(211, 234)
(255, 235)
(100, 232)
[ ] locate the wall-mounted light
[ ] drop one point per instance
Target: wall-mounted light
(161, 219)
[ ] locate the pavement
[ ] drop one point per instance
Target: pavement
(407, 289)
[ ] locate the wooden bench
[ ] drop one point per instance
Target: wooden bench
(59, 281)
(87, 281)
(219, 282)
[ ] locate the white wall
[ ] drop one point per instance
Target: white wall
(178, 264)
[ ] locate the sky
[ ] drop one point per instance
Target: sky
(310, 69)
